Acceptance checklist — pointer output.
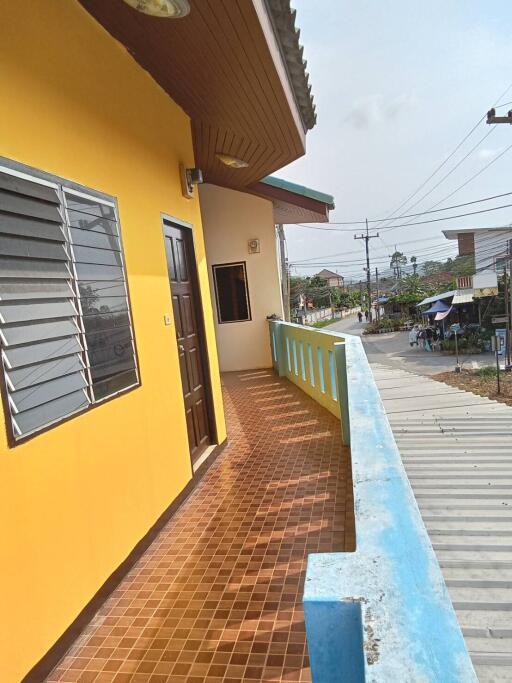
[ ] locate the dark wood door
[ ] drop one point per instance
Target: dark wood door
(188, 319)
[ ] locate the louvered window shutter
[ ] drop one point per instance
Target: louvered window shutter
(65, 331)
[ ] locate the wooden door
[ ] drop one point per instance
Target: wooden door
(188, 319)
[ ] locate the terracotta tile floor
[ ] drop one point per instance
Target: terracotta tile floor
(217, 597)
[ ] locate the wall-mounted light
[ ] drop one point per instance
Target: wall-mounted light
(170, 9)
(232, 162)
(190, 177)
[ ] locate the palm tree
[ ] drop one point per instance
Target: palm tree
(413, 260)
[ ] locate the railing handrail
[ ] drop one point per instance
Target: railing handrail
(381, 613)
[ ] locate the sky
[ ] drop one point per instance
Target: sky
(397, 86)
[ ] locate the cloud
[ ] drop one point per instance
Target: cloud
(487, 153)
(374, 110)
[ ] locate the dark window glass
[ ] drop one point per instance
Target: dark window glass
(231, 292)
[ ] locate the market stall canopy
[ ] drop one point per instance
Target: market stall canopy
(444, 314)
(437, 307)
(437, 297)
(463, 296)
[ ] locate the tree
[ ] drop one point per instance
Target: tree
(398, 260)
(432, 267)
(413, 260)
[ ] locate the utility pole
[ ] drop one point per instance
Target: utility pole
(506, 287)
(509, 316)
(493, 119)
(285, 278)
(377, 310)
(367, 239)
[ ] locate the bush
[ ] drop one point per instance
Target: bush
(487, 372)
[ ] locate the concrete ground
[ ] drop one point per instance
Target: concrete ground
(393, 349)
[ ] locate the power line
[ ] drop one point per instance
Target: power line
(356, 251)
(421, 213)
(432, 220)
(443, 163)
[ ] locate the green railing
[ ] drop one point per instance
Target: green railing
(381, 613)
(314, 360)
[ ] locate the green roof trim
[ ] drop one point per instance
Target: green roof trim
(299, 189)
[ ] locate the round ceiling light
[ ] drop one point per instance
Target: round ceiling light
(171, 9)
(232, 162)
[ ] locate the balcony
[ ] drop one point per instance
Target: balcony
(267, 552)
(218, 596)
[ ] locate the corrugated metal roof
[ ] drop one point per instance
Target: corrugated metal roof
(437, 297)
(457, 450)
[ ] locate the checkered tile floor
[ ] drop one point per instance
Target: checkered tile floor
(217, 597)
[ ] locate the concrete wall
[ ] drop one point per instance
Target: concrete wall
(230, 220)
(77, 498)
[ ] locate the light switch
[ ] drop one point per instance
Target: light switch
(167, 319)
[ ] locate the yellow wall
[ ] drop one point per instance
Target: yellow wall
(230, 220)
(76, 499)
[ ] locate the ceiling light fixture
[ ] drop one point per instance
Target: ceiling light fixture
(170, 9)
(232, 162)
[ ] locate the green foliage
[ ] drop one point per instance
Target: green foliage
(324, 323)
(398, 259)
(385, 324)
(487, 372)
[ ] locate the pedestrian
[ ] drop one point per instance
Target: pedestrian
(366, 316)
(413, 336)
(360, 316)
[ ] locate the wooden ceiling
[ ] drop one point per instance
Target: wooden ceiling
(223, 66)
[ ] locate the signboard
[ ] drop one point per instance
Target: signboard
(456, 328)
(502, 334)
(485, 283)
(485, 291)
(497, 319)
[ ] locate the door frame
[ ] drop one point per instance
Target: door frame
(199, 311)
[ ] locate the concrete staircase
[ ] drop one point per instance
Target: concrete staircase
(457, 451)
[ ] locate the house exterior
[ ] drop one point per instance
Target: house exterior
(490, 248)
(240, 236)
(331, 279)
(110, 371)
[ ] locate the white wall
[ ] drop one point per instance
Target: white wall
(489, 243)
(230, 220)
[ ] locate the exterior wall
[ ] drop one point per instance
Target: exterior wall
(489, 243)
(230, 220)
(466, 243)
(76, 499)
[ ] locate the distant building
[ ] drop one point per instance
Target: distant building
(489, 246)
(331, 279)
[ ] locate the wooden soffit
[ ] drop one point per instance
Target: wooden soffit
(291, 207)
(224, 66)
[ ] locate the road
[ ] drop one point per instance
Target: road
(393, 349)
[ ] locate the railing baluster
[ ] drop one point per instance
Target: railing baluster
(311, 366)
(302, 363)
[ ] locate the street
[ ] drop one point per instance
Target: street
(393, 349)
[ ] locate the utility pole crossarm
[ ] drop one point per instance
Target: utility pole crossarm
(492, 118)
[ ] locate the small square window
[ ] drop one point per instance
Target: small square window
(231, 292)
